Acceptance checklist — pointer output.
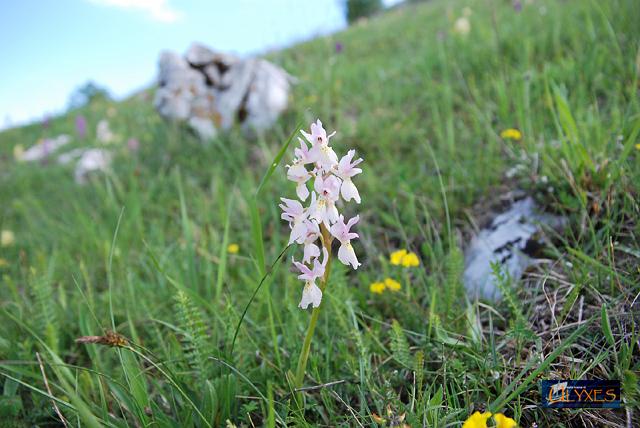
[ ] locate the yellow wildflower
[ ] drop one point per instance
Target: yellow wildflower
(410, 260)
(233, 248)
(7, 238)
(397, 256)
(511, 134)
(392, 284)
(18, 151)
(638, 146)
(504, 422)
(477, 420)
(377, 287)
(462, 26)
(404, 258)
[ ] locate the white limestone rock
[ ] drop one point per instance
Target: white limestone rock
(209, 89)
(507, 241)
(268, 95)
(203, 127)
(179, 86)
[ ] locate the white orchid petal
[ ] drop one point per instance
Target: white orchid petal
(298, 233)
(332, 215)
(302, 191)
(347, 256)
(311, 295)
(349, 191)
(310, 250)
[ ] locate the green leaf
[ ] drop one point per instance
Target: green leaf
(606, 326)
(277, 159)
(565, 117)
(222, 266)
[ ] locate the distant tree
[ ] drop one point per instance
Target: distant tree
(88, 93)
(357, 9)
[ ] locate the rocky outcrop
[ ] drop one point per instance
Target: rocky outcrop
(211, 90)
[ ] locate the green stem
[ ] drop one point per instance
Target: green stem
(306, 345)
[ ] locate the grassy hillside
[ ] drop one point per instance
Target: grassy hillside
(143, 250)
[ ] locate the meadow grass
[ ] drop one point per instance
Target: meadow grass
(143, 250)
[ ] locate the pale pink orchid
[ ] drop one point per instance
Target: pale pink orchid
(297, 173)
(320, 151)
(302, 154)
(346, 170)
(326, 157)
(328, 187)
(341, 232)
(311, 294)
(311, 274)
(295, 214)
(323, 210)
(310, 248)
(318, 134)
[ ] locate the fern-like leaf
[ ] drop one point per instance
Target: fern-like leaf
(400, 346)
(45, 318)
(195, 340)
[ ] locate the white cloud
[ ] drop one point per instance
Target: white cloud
(158, 10)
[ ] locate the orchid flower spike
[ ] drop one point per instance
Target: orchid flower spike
(332, 180)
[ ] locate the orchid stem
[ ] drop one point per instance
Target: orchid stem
(306, 345)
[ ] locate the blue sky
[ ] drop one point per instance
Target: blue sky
(49, 47)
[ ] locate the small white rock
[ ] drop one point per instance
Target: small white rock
(44, 148)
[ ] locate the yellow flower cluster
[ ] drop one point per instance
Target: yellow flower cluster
(404, 258)
(7, 238)
(233, 248)
(511, 134)
(18, 151)
(388, 284)
(479, 420)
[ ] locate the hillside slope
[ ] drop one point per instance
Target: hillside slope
(143, 249)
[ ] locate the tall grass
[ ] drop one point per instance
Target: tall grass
(212, 335)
